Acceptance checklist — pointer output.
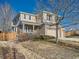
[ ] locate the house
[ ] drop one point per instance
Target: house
(42, 23)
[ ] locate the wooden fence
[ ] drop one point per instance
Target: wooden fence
(69, 33)
(8, 36)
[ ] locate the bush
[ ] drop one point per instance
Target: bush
(43, 37)
(22, 37)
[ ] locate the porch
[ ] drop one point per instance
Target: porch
(29, 28)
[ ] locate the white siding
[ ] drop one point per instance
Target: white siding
(27, 18)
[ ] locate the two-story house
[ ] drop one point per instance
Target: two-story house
(37, 24)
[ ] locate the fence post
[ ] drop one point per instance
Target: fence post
(14, 53)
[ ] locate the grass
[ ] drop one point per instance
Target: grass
(47, 49)
(71, 44)
(61, 43)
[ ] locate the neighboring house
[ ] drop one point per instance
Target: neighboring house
(38, 24)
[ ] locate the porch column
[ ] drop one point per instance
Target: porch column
(23, 28)
(15, 29)
(27, 29)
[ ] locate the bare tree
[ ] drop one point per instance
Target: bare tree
(67, 9)
(6, 16)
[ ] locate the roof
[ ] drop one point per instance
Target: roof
(26, 13)
(34, 14)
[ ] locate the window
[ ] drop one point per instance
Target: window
(36, 17)
(29, 17)
(24, 16)
(48, 17)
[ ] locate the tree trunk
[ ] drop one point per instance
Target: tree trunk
(56, 33)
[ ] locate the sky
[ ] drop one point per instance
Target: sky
(21, 5)
(24, 5)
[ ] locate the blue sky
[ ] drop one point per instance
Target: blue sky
(25, 6)
(21, 5)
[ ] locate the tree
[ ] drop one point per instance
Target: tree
(6, 17)
(67, 9)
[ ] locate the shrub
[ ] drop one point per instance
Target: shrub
(22, 37)
(43, 37)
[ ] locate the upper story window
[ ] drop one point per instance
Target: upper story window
(36, 17)
(24, 16)
(49, 17)
(29, 17)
